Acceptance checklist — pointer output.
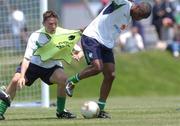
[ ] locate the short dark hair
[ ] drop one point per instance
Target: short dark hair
(147, 8)
(49, 14)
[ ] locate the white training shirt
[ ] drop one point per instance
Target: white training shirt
(106, 27)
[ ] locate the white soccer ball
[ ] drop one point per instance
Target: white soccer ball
(90, 109)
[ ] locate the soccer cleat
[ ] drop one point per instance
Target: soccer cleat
(65, 115)
(2, 117)
(103, 114)
(5, 97)
(69, 88)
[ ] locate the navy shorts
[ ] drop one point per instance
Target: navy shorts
(34, 72)
(94, 50)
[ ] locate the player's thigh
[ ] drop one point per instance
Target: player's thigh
(32, 74)
(107, 55)
(58, 76)
(108, 62)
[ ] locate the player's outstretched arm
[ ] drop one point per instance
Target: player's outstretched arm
(24, 66)
(77, 53)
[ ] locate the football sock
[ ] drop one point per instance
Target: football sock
(3, 107)
(74, 78)
(101, 104)
(61, 103)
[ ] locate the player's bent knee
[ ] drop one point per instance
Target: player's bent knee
(62, 80)
(113, 76)
(110, 76)
(97, 69)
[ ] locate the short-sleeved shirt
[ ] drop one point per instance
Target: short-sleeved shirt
(38, 38)
(112, 20)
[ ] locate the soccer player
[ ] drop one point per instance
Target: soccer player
(98, 40)
(32, 67)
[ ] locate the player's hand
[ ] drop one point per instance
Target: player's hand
(77, 56)
(21, 82)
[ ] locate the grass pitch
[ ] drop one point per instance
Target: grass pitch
(125, 111)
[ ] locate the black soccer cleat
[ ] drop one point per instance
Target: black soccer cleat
(69, 88)
(2, 117)
(5, 97)
(104, 115)
(65, 115)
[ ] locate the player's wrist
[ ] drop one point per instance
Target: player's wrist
(22, 75)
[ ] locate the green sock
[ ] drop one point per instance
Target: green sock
(61, 103)
(101, 104)
(3, 107)
(74, 78)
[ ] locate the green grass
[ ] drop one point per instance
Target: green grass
(150, 73)
(125, 111)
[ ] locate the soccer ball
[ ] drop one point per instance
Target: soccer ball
(90, 109)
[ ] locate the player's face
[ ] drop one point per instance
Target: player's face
(50, 25)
